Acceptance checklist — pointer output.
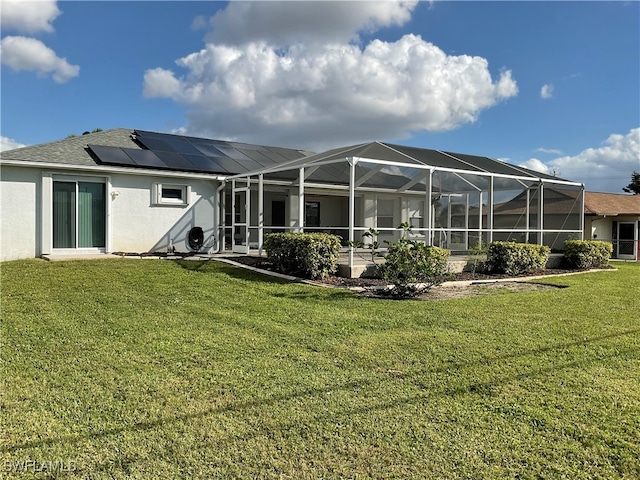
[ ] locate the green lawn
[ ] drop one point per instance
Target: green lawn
(157, 369)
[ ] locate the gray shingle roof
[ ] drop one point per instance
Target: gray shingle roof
(72, 151)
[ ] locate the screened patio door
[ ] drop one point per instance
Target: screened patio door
(79, 215)
(240, 222)
(458, 219)
(626, 240)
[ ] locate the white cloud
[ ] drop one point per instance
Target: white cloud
(7, 143)
(286, 23)
(606, 168)
(28, 16)
(552, 151)
(536, 165)
(546, 91)
(159, 82)
(310, 95)
(22, 53)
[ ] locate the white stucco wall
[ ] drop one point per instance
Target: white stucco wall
(134, 222)
(19, 211)
(137, 225)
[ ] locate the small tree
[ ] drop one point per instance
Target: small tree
(634, 186)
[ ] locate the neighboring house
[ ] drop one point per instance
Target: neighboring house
(614, 218)
(138, 191)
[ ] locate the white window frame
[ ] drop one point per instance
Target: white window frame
(393, 216)
(158, 199)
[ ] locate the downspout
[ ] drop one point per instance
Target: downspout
(219, 191)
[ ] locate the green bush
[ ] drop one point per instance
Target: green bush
(515, 258)
(413, 267)
(587, 253)
(307, 255)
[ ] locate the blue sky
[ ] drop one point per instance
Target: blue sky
(551, 85)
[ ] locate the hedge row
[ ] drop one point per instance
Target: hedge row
(516, 258)
(587, 253)
(307, 255)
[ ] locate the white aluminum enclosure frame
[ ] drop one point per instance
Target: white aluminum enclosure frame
(304, 168)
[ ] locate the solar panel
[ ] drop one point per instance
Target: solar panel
(286, 153)
(207, 164)
(208, 149)
(231, 152)
(180, 153)
(259, 157)
(175, 161)
(155, 144)
(112, 155)
(181, 146)
(145, 158)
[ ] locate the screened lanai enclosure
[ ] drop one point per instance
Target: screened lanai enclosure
(450, 200)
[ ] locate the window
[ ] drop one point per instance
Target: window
(416, 217)
(312, 214)
(170, 194)
(385, 215)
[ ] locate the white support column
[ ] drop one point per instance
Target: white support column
(428, 207)
(301, 210)
(352, 181)
(541, 214)
(490, 211)
(527, 208)
(108, 227)
(582, 216)
(480, 219)
(233, 214)
(46, 227)
(260, 212)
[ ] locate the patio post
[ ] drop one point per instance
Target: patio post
(582, 213)
(301, 211)
(541, 214)
(527, 209)
(352, 181)
(490, 211)
(260, 212)
(428, 206)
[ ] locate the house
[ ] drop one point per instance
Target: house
(120, 190)
(138, 191)
(614, 218)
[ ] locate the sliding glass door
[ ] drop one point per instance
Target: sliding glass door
(79, 214)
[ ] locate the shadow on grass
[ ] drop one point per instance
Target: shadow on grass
(311, 292)
(415, 378)
(213, 266)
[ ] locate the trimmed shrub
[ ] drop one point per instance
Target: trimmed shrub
(587, 253)
(413, 267)
(516, 258)
(307, 255)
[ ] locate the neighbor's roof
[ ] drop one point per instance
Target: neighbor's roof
(596, 203)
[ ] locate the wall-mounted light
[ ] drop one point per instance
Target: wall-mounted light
(114, 194)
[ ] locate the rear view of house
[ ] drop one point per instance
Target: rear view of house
(120, 190)
(137, 191)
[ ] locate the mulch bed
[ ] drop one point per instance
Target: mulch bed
(263, 263)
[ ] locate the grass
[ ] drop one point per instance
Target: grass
(158, 369)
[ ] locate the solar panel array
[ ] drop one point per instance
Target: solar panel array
(190, 154)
